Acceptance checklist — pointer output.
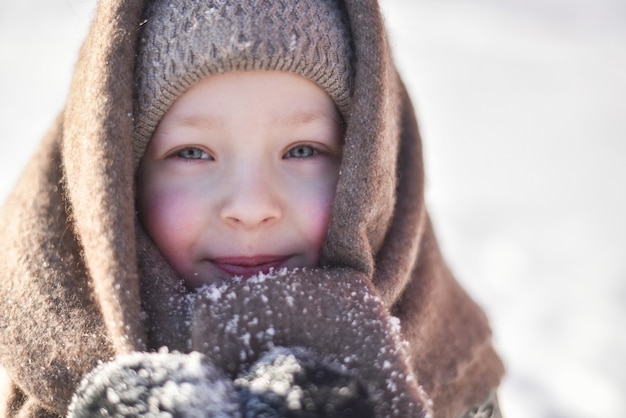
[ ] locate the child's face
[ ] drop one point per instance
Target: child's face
(240, 175)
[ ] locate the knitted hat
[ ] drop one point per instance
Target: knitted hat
(183, 41)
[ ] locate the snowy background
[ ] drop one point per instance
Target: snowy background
(522, 105)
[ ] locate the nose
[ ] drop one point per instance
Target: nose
(252, 200)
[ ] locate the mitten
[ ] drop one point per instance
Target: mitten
(293, 383)
(156, 385)
(334, 314)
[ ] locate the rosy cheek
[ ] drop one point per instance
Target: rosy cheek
(166, 217)
(315, 209)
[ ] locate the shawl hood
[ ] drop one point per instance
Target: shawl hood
(82, 283)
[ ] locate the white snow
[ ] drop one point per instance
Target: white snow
(213, 293)
(521, 105)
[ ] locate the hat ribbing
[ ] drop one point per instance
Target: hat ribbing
(184, 41)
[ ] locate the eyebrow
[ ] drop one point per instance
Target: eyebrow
(303, 118)
(288, 118)
(199, 120)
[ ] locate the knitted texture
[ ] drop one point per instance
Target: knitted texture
(156, 385)
(183, 41)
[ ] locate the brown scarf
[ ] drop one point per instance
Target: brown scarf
(81, 283)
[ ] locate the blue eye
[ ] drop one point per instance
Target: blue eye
(301, 151)
(193, 154)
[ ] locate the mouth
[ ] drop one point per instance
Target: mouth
(248, 266)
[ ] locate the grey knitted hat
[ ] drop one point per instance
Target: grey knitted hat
(183, 41)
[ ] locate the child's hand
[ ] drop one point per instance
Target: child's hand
(156, 385)
(282, 384)
(295, 383)
(331, 313)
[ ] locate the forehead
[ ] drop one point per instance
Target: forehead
(288, 98)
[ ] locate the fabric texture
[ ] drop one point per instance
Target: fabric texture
(82, 284)
(157, 385)
(294, 383)
(289, 383)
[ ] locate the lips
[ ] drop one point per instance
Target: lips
(248, 266)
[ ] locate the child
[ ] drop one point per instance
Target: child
(237, 185)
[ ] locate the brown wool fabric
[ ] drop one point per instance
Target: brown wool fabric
(81, 283)
(183, 41)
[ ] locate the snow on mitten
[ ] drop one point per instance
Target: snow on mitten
(291, 383)
(156, 385)
(334, 313)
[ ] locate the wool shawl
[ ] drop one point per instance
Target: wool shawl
(81, 283)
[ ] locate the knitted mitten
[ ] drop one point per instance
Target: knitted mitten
(333, 313)
(287, 383)
(293, 383)
(156, 385)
